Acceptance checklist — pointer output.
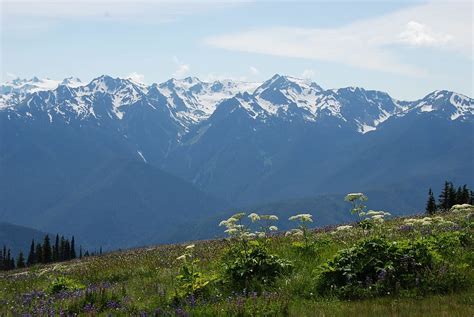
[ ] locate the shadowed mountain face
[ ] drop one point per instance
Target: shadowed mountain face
(118, 163)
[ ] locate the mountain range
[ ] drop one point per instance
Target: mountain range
(119, 163)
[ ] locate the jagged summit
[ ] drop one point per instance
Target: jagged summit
(190, 101)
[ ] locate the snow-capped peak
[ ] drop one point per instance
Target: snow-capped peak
(72, 82)
(445, 103)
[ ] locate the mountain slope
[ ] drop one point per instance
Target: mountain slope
(18, 238)
(68, 152)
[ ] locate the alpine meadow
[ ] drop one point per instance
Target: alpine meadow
(236, 158)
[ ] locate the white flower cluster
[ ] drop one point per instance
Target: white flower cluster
(295, 233)
(462, 208)
(344, 228)
(235, 228)
(302, 218)
(355, 196)
(376, 216)
(188, 254)
(428, 221)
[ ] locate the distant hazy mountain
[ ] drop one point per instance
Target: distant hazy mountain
(121, 163)
(18, 238)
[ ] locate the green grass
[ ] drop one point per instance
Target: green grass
(144, 280)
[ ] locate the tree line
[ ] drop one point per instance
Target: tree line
(449, 196)
(62, 249)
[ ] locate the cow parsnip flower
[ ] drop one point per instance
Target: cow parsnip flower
(254, 217)
(354, 196)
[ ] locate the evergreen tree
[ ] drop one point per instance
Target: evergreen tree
(431, 203)
(451, 196)
(465, 198)
(471, 198)
(80, 252)
(56, 249)
(2, 260)
(39, 253)
(73, 248)
(67, 250)
(62, 249)
(444, 198)
(20, 262)
(47, 254)
(31, 256)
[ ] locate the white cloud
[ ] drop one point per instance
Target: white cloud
(418, 34)
(367, 44)
(254, 70)
(182, 69)
(136, 77)
(308, 74)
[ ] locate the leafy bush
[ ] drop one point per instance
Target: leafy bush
(253, 268)
(63, 283)
(379, 267)
(191, 282)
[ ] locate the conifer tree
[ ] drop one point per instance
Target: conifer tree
(444, 197)
(451, 196)
(62, 249)
(39, 253)
(56, 249)
(2, 259)
(67, 250)
(464, 195)
(20, 262)
(431, 203)
(73, 248)
(47, 256)
(31, 256)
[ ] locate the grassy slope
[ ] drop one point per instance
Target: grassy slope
(144, 280)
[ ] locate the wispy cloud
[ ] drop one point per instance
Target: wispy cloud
(417, 34)
(368, 44)
(182, 68)
(254, 70)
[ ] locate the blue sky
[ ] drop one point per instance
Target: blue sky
(406, 48)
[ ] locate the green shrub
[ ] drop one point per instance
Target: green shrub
(378, 267)
(253, 268)
(63, 283)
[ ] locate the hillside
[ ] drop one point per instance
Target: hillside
(18, 238)
(186, 280)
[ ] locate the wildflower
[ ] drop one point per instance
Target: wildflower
(223, 223)
(462, 208)
(354, 196)
(254, 217)
(238, 216)
(231, 231)
(260, 234)
(342, 228)
(249, 235)
(273, 217)
(294, 232)
(273, 228)
(190, 247)
(302, 217)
